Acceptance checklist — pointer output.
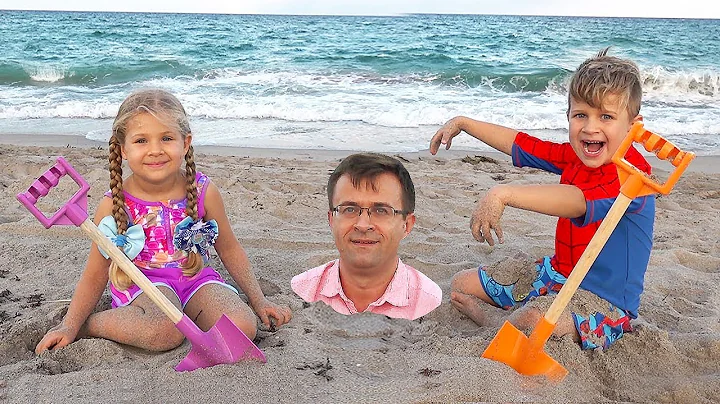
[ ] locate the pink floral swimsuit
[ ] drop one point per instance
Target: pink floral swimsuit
(159, 260)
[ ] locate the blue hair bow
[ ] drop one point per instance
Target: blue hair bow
(131, 243)
(196, 236)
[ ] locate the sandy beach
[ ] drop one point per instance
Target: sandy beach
(277, 204)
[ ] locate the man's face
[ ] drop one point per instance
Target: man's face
(369, 242)
(596, 133)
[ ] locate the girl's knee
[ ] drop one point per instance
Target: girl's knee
(245, 320)
(163, 337)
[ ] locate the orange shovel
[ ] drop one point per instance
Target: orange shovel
(526, 354)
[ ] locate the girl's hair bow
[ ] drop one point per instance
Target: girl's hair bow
(196, 236)
(131, 243)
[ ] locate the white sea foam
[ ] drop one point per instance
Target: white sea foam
(47, 74)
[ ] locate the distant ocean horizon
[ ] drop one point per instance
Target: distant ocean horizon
(346, 82)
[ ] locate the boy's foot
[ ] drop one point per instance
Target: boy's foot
(468, 305)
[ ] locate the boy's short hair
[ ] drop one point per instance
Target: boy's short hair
(367, 167)
(604, 75)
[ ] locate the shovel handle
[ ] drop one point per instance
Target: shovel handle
(74, 212)
(124, 263)
(634, 183)
(663, 149)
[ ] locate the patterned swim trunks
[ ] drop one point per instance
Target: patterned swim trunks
(599, 323)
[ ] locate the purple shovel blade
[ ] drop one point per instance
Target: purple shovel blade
(223, 343)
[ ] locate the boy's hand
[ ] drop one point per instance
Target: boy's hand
(58, 337)
(444, 135)
(266, 309)
(486, 219)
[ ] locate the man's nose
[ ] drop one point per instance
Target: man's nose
(363, 221)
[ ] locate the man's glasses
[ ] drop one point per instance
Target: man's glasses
(376, 213)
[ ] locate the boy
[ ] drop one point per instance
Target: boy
(603, 102)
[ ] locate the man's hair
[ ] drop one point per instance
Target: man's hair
(367, 167)
(604, 75)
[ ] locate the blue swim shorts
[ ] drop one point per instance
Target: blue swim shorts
(599, 328)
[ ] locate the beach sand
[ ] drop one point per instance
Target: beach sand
(277, 205)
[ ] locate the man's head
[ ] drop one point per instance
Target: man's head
(371, 199)
(603, 102)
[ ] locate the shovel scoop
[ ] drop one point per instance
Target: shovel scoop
(223, 343)
(525, 354)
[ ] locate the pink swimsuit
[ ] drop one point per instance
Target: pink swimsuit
(159, 260)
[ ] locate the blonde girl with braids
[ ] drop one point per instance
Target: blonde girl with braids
(165, 216)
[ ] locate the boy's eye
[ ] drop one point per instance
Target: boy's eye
(579, 115)
(606, 116)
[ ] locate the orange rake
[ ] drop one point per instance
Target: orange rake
(526, 354)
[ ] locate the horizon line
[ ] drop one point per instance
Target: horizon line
(352, 15)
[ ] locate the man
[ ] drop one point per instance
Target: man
(372, 202)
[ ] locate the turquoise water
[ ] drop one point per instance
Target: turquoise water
(321, 82)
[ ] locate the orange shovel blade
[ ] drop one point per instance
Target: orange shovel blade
(526, 355)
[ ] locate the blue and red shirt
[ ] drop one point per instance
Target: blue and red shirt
(618, 273)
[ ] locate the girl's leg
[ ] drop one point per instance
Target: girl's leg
(213, 300)
(465, 292)
(141, 324)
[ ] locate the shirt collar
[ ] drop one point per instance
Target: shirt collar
(396, 294)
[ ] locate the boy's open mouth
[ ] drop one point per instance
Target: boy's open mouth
(593, 148)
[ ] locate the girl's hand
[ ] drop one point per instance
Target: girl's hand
(486, 219)
(59, 336)
(266, 309)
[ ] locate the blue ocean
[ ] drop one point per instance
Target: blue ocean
(351, 83)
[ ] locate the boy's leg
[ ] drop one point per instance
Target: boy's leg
(141, 324)
(465, 292)
(526, 318)
(212, 300)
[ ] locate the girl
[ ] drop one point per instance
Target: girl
(165, 219)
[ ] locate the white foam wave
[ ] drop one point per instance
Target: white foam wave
(660, 83)
(47, 74)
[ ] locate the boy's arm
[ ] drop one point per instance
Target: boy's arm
(553, 199)
(236, 262)
(496, 136)
(87, 293)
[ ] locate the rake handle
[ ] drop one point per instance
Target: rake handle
(132, 271)
(587, 259)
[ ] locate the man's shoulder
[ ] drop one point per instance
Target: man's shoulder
(307, 284)
(313, 273)
(429, 290)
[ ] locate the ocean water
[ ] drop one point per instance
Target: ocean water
(352, 83)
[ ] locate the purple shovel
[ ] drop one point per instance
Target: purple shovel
(223, 343)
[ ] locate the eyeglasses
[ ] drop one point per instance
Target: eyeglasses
(377, 213)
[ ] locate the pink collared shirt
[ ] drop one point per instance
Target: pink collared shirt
(409, 295)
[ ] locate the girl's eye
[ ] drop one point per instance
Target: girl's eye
(167, 139)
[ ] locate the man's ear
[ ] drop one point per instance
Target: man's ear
(409, 224)
(330, 218)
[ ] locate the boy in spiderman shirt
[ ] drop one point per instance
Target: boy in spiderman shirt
(603, 102)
